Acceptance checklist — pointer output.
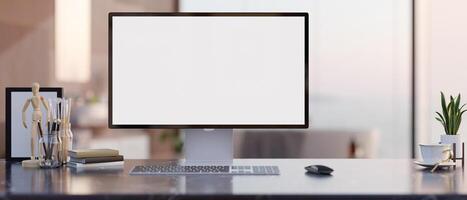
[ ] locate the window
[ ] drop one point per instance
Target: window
(360, 64)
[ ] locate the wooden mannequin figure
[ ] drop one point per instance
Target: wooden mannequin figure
(36, 126)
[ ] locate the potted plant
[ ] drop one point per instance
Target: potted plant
(451, 119)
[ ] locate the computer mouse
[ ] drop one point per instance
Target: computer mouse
(319, 169)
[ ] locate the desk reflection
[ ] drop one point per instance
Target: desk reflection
(399, 177)
(71, 181)
(439, 182)
(33, 180)
(210, 184)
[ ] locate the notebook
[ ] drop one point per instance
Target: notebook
(96, 165)
(97, 159)
(90, 153)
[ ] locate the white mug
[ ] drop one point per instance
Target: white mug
(435, 153)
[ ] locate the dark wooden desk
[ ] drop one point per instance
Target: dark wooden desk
(363, 179)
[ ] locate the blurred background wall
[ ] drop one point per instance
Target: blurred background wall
(64, 43)
(441, 47)
(26, 47)
(360, 64)
(360, 72)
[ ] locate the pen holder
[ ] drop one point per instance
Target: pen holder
(51, 144)
(50, 148)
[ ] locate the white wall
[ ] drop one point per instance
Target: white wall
(26, 48)
(442, 61)
(359, 63)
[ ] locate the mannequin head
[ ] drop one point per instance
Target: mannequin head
(35, 88)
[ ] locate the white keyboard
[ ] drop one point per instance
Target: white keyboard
(205, 170)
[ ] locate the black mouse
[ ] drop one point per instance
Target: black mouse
(319, 169)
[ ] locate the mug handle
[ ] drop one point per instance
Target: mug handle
(451, 155)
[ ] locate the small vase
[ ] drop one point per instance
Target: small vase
(66, 137)
(450, 139)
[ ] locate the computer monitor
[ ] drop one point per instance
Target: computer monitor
(208, 71)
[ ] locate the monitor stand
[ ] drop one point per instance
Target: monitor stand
(208, 146)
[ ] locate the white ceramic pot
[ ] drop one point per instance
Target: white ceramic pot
(450, 139)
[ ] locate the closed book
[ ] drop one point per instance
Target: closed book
(91, 153)
(95, 165)
(96, 159)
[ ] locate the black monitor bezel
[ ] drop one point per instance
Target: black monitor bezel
(208, 126)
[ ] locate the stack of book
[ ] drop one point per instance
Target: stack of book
(94, 158)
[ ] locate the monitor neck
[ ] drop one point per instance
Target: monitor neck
(208, 146)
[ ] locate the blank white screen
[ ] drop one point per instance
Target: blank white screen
(195, 70)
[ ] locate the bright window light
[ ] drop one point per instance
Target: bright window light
(72, 40)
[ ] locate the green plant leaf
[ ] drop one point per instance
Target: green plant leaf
(453, 115)
(459, 120)
(440, 116)
(441, 120)
(462, 107)
(449, 117)
(445, 112)
(457, 110)
(459, 107)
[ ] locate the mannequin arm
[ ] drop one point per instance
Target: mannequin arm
(23, 115)
(47, 109)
